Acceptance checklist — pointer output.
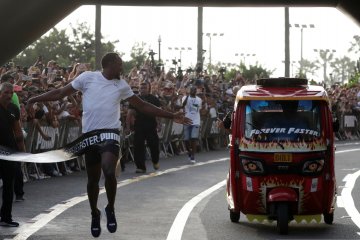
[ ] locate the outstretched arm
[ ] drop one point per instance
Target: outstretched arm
(19, 137)
(53, 95)
(152, 110)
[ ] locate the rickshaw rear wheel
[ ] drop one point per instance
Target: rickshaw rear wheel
(328, 218)
(282, 224)
(234, 216)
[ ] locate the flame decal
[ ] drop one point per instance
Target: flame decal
(300, 146)
(273, 182)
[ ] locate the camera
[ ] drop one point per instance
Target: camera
(152, 53)
(26, 78)
(58, 78)
(189, 70)
(222, 70)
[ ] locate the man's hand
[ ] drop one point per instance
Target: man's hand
(31, 101)
(179, 117)
(46, 137)
(220, 123)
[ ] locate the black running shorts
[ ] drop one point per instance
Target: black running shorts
(93, 153)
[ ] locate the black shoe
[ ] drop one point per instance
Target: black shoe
(19, 198)
(9, 223)
(95, 224)
(139, 170)
(156, 166)
(111, 220)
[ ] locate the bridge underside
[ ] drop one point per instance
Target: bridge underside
(24, 21)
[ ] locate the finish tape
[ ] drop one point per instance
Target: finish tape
(71, 150)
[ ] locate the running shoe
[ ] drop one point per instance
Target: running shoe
(19, 198)
(9, 223)
(95, 224)
(156, 166)
(139, 170)
(111, 220)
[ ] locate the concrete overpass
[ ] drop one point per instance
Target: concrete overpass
(24, 21)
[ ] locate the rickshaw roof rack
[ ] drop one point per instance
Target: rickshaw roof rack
(282, 82)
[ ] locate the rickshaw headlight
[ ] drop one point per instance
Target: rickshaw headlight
(313, 166)
(252, 166)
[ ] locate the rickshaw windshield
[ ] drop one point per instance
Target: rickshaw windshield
(283, 120)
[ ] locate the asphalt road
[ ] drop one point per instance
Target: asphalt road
(180, 201)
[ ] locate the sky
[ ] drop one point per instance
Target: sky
(246, 30)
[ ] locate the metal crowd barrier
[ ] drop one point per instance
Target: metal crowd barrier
(68, 130)
(349, 124)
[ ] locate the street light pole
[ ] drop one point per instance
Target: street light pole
(98, 53)
(159, 40)
(244, 55)
(302, 37)
(292, 68)
(180, 49)
(302, 26)
(287, 42)
(209, 35)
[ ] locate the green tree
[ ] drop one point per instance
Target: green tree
(343, 67)
(138, 53)
(138, 56)
(254, 72)
(355, 44)
(250, 73)
(78, 46)
(354, 79)
(55, 45)
(307, 68)
(325, 57)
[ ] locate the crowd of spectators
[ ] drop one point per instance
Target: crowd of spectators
(170, 87)
(345, 104)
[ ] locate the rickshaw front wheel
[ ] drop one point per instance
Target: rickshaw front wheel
(328, 218)
(234, 216)
(282, 223)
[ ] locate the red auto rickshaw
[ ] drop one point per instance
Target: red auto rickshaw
(282, 153)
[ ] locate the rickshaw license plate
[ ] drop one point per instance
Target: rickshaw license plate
(283, 157)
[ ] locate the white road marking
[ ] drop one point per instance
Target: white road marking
(27, 229)
(345, 200)
(178, 225)
(347, 144)
(349, 150)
